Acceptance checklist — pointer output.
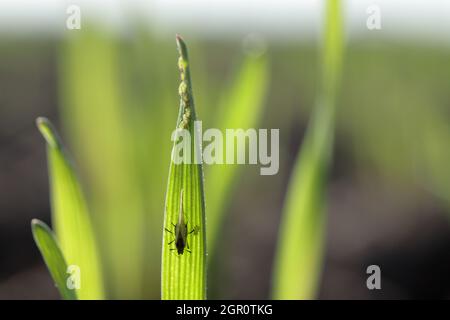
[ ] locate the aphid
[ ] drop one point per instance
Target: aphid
(180, 231)
(182, 90)
(184, 123)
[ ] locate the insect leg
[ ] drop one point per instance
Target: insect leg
(168, 230)
(187, 222)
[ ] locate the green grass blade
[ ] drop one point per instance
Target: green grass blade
(241, 107)
(184, 276)
(298, 263)
(149, 104)
(97, 119)
(70, 216)
(53, 257)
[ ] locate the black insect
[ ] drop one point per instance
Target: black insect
(180, 231)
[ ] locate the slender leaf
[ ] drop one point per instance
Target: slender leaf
(97, 119)
(184, 275)
(53, 257)
(70, 216)
(241, 107)
(301, 241)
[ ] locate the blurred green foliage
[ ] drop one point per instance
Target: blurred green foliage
(119, 101)
(119, 97)
(92, 111)
(124, 111)
(298, 260)
(72, 222)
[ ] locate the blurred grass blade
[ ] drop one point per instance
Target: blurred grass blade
(298, 263)
(70, 216)
(149, 104)
(53, 257)
(106, 153)
(241, 107)
(184, 275)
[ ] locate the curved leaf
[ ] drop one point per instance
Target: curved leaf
(70, 216)
(53, 257)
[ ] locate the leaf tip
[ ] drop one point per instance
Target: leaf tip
(179, 38)
(181, 45)
(38, 224)
(48, 131)
(35, 223)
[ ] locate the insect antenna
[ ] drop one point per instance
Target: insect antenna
(168, 230)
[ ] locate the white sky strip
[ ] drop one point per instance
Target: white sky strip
(275, 19)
